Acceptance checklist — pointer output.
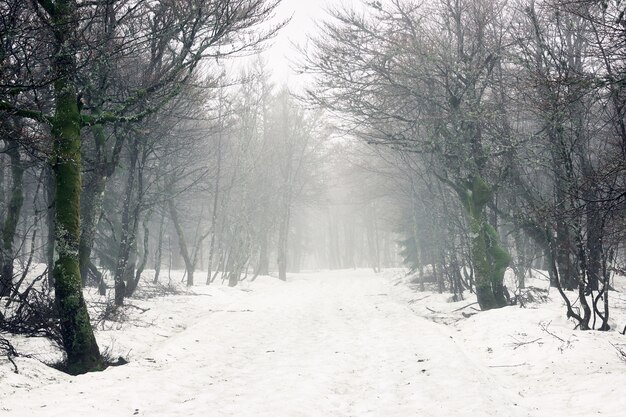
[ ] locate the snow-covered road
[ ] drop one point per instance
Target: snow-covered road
(338, 344)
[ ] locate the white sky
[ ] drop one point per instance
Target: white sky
(305, 13)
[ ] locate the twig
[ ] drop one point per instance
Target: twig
(508, 366)
(621, 353)
(11, 352)
(566, 343)
(518, 343)
(464, 307)
(544, 327)
(415, 300)
(143, 310)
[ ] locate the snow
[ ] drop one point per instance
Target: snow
(342, 343)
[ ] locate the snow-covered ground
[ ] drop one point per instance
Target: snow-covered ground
(343, 343)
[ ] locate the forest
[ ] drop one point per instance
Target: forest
(472, 149)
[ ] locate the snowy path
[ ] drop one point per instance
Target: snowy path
(323, 345)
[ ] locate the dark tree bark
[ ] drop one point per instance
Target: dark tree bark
(128, 233)
(9, 228)
(159, 249)
(182, 243)
(93, 194)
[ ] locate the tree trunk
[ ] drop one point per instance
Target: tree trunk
(80, 345)
(132, 286)
(594, 242)
(415, 233)
(92, 206)
(189, 266)
(127, 239)
(522, 263)
(159, 250)
(372, 238)
(16, 200)
(488, 258)
(264, 257)
(294, 265)
(283, 238)
(216, 192)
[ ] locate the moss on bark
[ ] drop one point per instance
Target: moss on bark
(490, 260)
(83, 354)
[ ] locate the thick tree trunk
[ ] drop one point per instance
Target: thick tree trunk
(488, 258)
(16, 200)
(80, 345)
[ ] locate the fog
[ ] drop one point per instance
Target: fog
(471, 151)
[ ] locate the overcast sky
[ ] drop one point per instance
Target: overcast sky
(304, 16)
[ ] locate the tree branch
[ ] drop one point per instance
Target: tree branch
(47, 5)
(29, 114)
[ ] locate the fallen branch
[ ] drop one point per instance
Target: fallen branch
(143, 310)
(10, 351)
(464, 307)
(519, 343)
(415, 300)
(565, 343)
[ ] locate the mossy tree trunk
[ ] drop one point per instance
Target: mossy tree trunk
(80, 345)
(489, 259)
(16, 201)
